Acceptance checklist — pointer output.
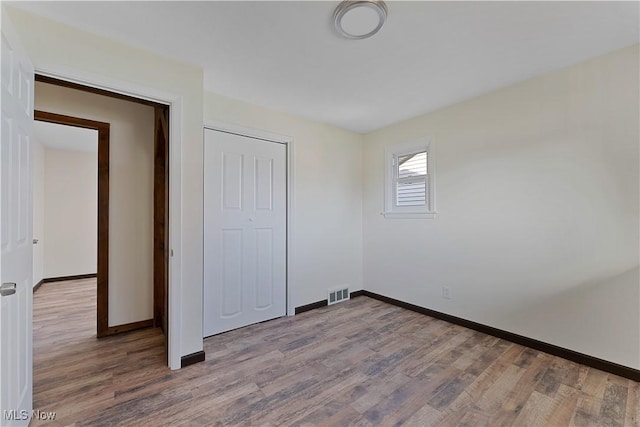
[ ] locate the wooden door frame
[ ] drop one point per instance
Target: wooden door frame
(103, 207)
(161, 218)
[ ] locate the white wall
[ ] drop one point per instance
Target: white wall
(59, 48)
(71, 206)
(38, 211)
(130, 196)
(327, 195)
(537, 193)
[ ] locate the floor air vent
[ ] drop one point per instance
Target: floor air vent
(337, 295)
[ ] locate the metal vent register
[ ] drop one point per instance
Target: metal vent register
(337, 295)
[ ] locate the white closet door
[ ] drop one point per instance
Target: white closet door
(245, 217)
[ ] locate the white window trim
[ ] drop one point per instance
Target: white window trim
(410, 212)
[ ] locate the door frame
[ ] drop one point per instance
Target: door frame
(174, 101)
(160, 217)
(289, 143)
(103, 129)
(160, 210)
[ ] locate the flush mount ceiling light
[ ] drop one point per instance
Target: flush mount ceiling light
(359, 19)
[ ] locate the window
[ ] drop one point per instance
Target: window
(411, 183)
(410, 191)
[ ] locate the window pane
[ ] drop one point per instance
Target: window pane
(411, 187)
(412, 165)
(411, 194)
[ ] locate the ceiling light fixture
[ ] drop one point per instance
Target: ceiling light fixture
(360, 19)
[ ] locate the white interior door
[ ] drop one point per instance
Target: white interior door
(15, 232)
(245, 217)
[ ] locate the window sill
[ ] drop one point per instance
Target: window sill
(409, 215)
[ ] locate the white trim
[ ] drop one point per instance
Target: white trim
(427, 144)
(407, 215)
(247, 131)
(175, 183)
(291, 308)
(112, 85)
(290, 143)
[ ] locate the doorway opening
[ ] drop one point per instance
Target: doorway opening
(153, 222)
(102, 208)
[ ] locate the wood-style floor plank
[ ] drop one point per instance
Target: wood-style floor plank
(358, 363)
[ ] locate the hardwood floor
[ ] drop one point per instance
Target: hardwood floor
(361, 362)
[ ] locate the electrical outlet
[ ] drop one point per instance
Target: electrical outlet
(446, 292)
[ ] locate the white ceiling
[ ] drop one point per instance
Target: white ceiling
(63, 137)
(287, 56)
